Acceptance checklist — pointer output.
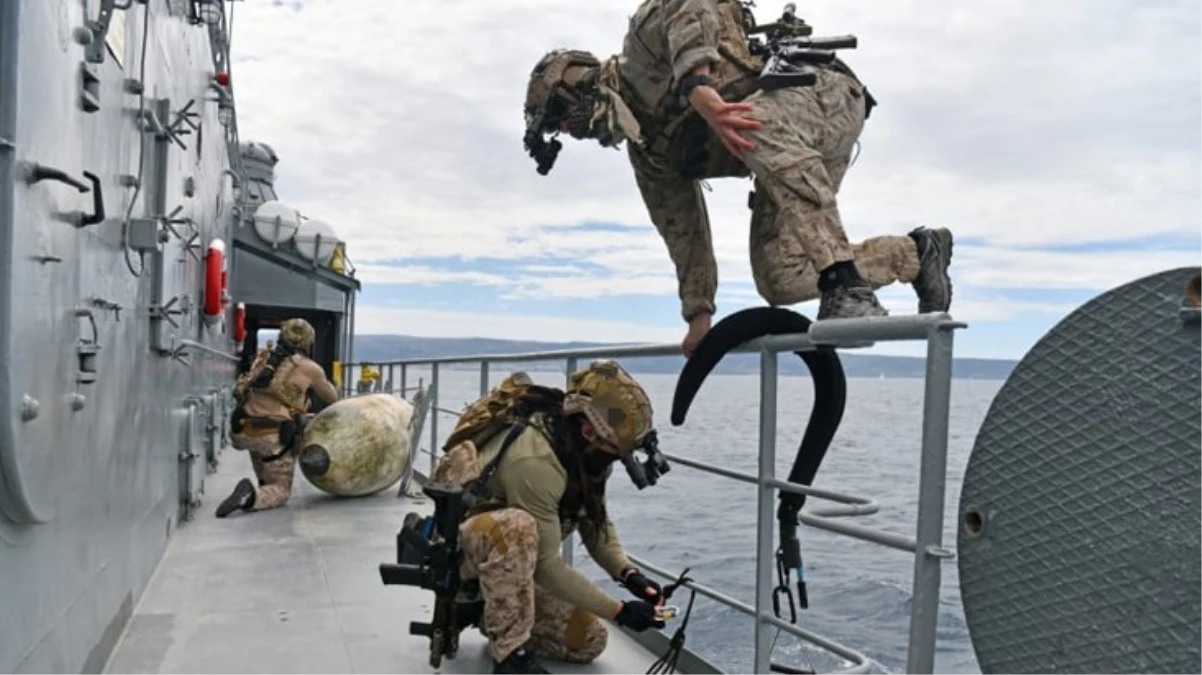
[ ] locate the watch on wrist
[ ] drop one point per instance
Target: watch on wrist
(690, 82)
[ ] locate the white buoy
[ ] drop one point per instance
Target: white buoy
(276, 222)
(307, 241)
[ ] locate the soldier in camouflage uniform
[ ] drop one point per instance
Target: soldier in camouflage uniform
(266, 422)
(683, 91)
(550, 483)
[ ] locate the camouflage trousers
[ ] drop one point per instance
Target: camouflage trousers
(275, 477)
(500, 549)
(803, 151)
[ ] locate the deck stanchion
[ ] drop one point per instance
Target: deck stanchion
(932, 484)
(567, 549)
(434, 417)
(766, 492)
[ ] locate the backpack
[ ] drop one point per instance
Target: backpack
(251, 373)
(507, 407)
(261, 376)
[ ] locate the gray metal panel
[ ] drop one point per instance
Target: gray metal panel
(1079, 535)
(262, 282)
(90, 476)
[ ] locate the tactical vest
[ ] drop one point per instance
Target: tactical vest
(484, 420)
(288, 393)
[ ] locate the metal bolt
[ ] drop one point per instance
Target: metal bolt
(29, 408)
(77, 401)
(83, 35)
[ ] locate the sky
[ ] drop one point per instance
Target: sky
(1059, 141)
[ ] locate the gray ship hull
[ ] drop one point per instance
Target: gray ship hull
(116, 377)
(102, 429)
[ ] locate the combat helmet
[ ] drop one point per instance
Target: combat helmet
(613, 402)
(559, 81)
(298, 334)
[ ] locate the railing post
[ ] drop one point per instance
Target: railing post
(483, 379)
(404, 378)
(389, 385)
(763, 538)
(434, 417)
(932, 483)
(567, 549)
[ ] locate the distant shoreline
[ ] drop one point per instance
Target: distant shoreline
(382, 348)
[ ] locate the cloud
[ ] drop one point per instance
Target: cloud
(1033, 130)
(374, 320)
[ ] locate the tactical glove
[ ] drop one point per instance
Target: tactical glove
(641, 587)
(638, 616)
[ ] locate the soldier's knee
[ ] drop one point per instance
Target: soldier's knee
(505, 530)
(586, 636)
(516, 520)
(775, 294)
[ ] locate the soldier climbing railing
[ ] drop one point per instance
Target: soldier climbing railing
(927, 544)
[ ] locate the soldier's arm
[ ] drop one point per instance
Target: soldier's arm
(605, 547)
(692, 27)
(321, 386)
(530, 484)
(677, 208)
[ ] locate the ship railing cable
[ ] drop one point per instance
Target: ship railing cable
(936, 329)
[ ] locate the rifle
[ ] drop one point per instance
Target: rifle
(428, 556)
(788, 46)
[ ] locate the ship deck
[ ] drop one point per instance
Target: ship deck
(297, 590)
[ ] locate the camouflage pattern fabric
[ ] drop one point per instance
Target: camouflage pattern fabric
(298, 333)
(618, 408)
(275, 478)
(501, 550)
(804, 149)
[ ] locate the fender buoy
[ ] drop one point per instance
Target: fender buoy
(240, 322)
(214, 278)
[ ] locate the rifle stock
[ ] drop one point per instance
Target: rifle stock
(428, 557)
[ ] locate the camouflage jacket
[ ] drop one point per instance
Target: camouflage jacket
(665, 41)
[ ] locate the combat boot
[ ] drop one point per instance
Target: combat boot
(243, 497)
(848, 302)
(933, 285)
(520, 660)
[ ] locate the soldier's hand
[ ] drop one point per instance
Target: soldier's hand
(641, 587)
(638, 616)
(699, 325)
(724, 118)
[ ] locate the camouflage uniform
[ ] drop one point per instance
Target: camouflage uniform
(532, 597)
(501, 550)
(259, 433)
(803, 150)
(275, 476)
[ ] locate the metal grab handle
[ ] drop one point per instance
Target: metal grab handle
(42, 172)
(97, 202)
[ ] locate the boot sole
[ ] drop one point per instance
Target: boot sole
(944, 244)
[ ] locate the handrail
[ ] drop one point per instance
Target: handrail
(927, 546)
(210, 350)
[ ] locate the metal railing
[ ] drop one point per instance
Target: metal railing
(926, 545)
